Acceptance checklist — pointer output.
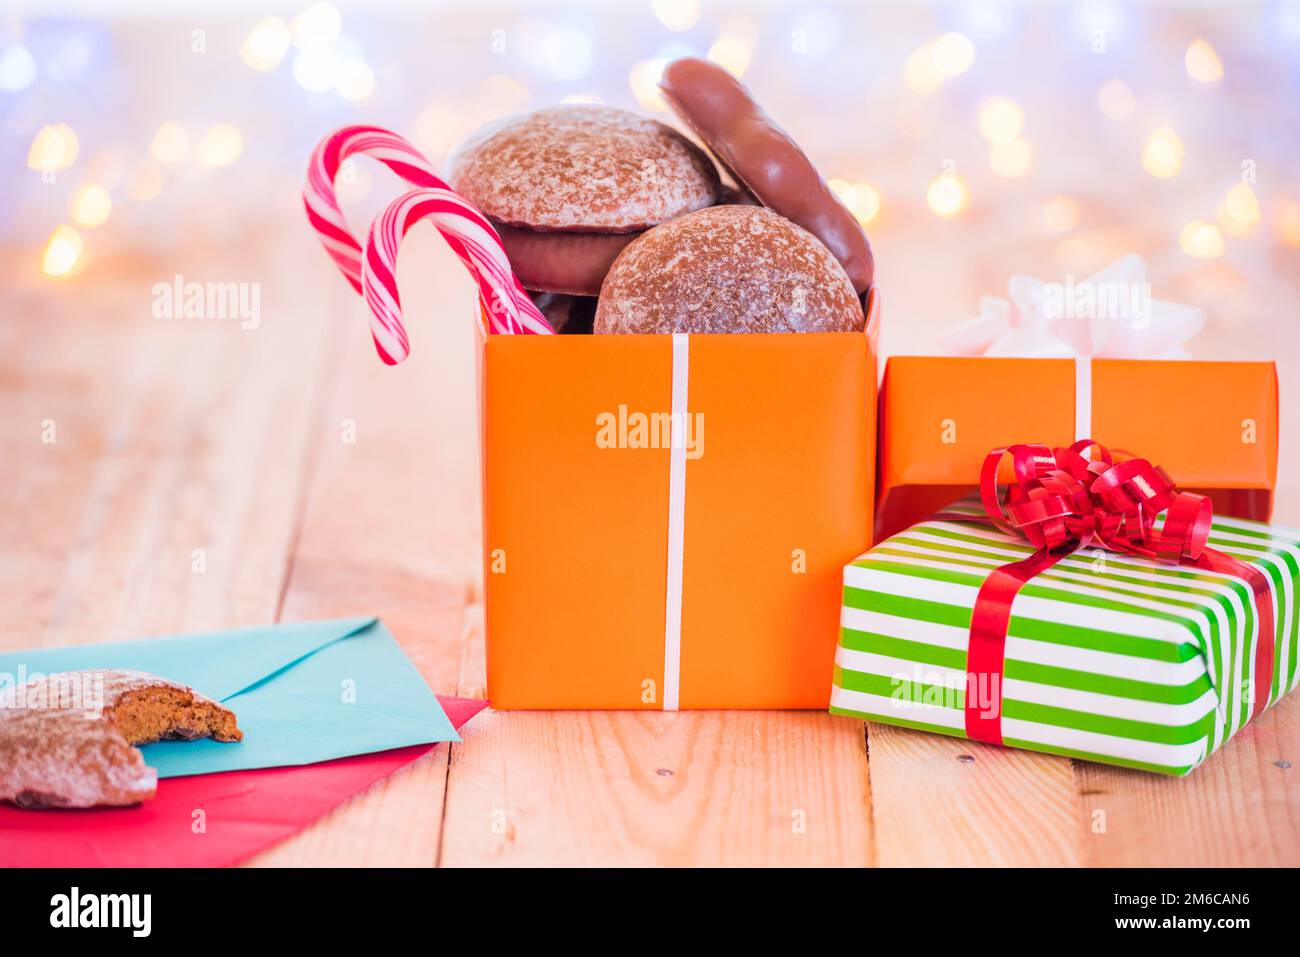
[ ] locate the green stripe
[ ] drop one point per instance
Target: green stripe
(903, 648)
(1035, 591)
(1205, 631)
(1178, 771)
(1200, 729)
(938, 695)
(900, 722)
(1189, 600)
(902, 689)
(1051, 675)
(1075, 636)
(1014, 742)
(1108, 684)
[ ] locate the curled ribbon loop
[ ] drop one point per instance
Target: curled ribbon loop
(1066, 499)
(1063, 501)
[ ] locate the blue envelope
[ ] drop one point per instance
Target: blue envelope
(303, 693)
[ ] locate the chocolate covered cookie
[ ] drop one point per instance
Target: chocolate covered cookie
(764, 160)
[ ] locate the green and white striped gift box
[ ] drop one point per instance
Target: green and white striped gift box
(1108, 658)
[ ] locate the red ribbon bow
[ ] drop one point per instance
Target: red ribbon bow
(1062, 502)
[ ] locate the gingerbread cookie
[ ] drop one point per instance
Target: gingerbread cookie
(69, 739)
(727, 269)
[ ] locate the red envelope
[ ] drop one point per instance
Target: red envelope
(243, 812)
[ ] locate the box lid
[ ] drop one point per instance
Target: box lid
(1213, 426)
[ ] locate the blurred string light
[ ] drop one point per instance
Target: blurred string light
(71, 59)
(220, 146)
(54, 148)
(315, 69)
(1203, 63)
(1099, 23)
(1115, 100)
(62, 251)
(170, 143)
(677, 14)
(91, 206)
(1239, 213)
(1162, 156)
(325, 59)
(1201, 240)
(861, 199)
(953, 54)
(644, 78)
(353, 79)
(733, 49)
(437, 129)
(266, 44)
(931, 63)
(316, 27)
(1060, 214)
(1288, 223)
(500, 95)
(1012, 159)
(17, 68)
(564, 53)
(987, 21)
(1000, 119)
(948, 195)
(921, 74)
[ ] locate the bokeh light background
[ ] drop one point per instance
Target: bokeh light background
(974, 140)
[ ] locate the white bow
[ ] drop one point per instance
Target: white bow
(1111, 314)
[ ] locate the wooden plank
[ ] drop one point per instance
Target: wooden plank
(169, 496)
(391, 529)
(943, 801)
(1241, 808)
(620, 788)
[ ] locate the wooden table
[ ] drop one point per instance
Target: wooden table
(203, 476)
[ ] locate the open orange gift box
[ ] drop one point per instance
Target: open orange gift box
(667, 516)
(1213, 426)
(631, 563)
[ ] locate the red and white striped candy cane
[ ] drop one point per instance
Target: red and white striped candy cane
(466, 230)
(471, 237)
(318, 191)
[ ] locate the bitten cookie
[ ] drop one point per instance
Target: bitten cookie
(727, 269)
(68, 740)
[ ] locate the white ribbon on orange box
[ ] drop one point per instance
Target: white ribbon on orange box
(1109, 315)
(1082, 397)
(676, 523)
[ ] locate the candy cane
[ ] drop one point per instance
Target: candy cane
(465, 229)
(471, 237)
(318, 191)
